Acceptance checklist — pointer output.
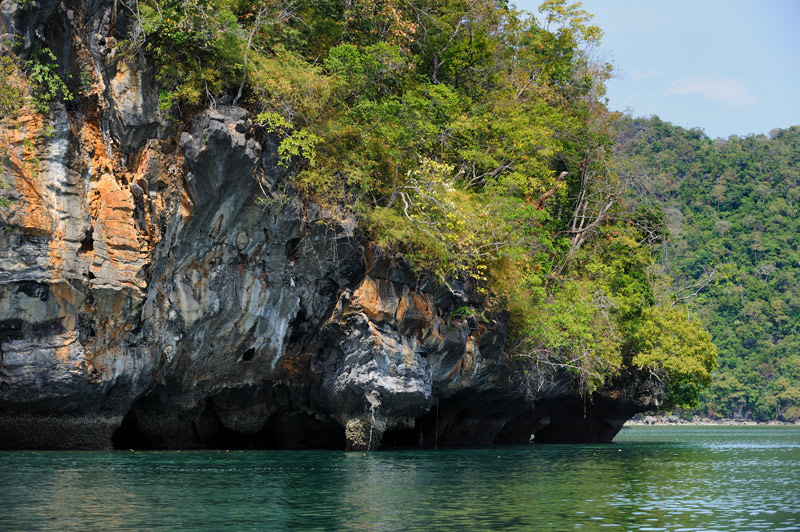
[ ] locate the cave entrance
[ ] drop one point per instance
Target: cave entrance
(129, 435)
(204, 430)
(404, 438)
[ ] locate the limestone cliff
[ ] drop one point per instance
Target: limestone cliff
(163, 285)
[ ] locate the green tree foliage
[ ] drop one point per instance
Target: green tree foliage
(40, 76)
(732, 209)
(12, 91)
(46, 82)
(677, 350)
(575, 329)
(196, 45)
(12, 96)
(470, 137)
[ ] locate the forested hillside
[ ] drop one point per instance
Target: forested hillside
(732, 212)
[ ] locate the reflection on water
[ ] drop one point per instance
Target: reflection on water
(651, 478)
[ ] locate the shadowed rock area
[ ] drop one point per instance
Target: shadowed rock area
(167, 289)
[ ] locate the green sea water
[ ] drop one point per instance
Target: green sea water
(650, 478)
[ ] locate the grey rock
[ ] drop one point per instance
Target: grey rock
(133, 111)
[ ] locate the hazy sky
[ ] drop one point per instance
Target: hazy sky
(726, 66)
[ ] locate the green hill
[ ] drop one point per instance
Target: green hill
(732, 212)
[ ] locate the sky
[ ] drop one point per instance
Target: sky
(729, 67)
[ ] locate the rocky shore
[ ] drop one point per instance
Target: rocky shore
(639, 421)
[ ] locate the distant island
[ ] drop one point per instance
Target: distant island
(731, 210)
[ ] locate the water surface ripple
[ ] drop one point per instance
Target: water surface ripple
(651, 478)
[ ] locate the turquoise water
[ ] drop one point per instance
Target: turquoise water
(650, 478)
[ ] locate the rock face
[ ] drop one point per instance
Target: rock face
(165, 290)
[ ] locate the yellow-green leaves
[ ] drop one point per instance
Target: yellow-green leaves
(283, 82)
(461, 230)
(273, 122)
(677, 349)
(293, 144)
(576, 331)
(299, 144)
(12, 90)
(572, 20)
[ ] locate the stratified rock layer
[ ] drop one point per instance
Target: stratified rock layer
(172, 291)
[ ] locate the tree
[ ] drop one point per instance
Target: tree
(676, 350)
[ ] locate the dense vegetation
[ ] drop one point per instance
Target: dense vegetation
(732, 212)
(470, 138)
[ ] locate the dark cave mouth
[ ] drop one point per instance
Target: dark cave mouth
(404, 438)
(155, 422)
(298, 431)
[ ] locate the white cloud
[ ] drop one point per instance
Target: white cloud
(731, 91)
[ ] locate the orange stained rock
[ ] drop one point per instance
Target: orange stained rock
(402, 305)
(468, 358)
(366, 297)
(185, 207)
(31, 212)
(293, 365)
(383, 303)
(434, 336)
(111, 208)
(68, 300)
(19, 150)
(140, 173)
(62, 353)
(423, 305)
(92, 139)
(119, 303)
(107, 200)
